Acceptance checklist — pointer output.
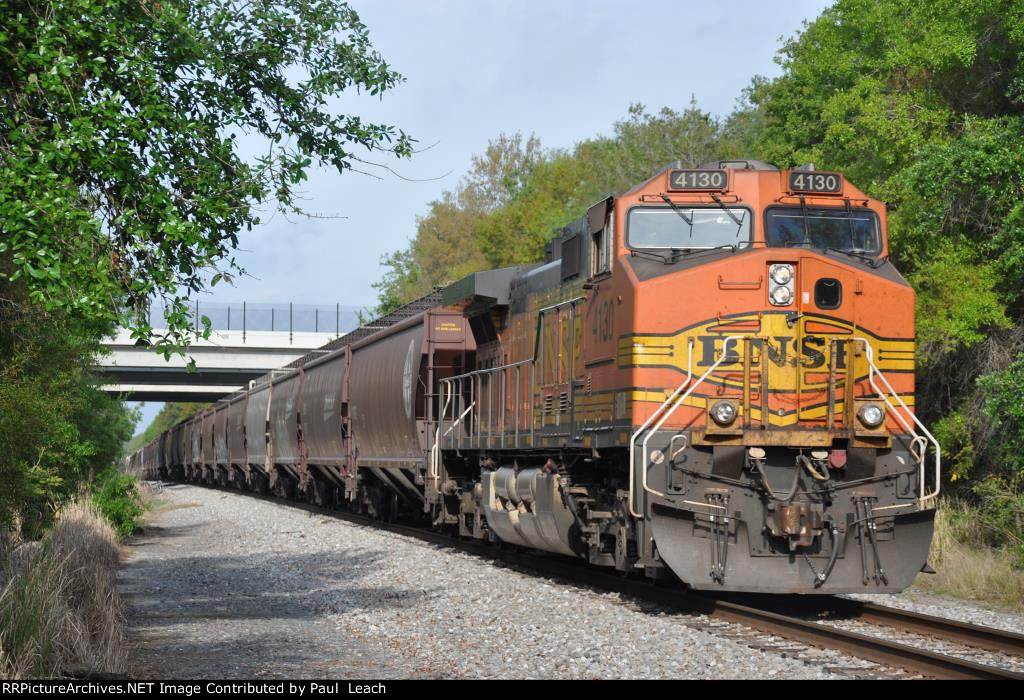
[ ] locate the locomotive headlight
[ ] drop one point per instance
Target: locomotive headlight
(871, 415)
(782, 274)
(723, 412)
(782, 296)
(781, 280)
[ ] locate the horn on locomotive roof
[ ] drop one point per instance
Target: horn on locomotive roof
(739, 164)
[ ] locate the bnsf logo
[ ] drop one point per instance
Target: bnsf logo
(782, 350)
(807, 346)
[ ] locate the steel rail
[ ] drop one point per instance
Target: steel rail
(968, 634)
(828, 608)
(863, 646)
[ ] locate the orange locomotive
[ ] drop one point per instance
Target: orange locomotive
(711, 375)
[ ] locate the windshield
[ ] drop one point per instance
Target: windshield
(850, 230)
(685, 227)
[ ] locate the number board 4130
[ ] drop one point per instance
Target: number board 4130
(815, 182)
(698, 180)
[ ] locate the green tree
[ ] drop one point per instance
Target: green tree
(641, 144)
(896, 73)
(57, 428)
(447, 242)
(1001, 393)
(122, 175)
(170, 415)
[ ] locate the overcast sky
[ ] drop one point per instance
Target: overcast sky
(564, 70)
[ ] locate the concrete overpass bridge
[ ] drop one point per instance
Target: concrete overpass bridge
(247, 341)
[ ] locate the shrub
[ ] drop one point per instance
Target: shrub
(1000, 512)
(118, 499)
(1001, 392)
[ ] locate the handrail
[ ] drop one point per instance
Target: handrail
(486, 370)
(540, 313)
(459, 419)
(650, 419)
(448, 382)
(501, 368)
(435, 450)
(540, 320)
(872, 371)
(676, 402)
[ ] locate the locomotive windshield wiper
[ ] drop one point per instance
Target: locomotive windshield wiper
(679, 211)
(872, 262)
(737, 220)
(677, 252)
(674, 254)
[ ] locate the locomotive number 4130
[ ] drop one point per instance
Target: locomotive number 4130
(804, 181)
(697, 180)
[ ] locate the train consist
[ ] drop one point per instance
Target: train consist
(710, 376)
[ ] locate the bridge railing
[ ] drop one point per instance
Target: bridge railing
(290, 318)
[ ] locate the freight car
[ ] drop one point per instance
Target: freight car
(709, 376)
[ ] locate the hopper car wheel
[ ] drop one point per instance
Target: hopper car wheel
(259, 483)
(321, 493)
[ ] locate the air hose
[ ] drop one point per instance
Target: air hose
(802, 459)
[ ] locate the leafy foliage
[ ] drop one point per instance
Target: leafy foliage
(123, 179)
(122, 175)
(958, 304)
(447, 246)
(117, 497)
(170, 414)
(1001, 394)
(923, 105)
(953, 431)
(56, 427)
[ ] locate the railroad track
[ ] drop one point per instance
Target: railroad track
(954, 631)
(951, 630)
(782, 618)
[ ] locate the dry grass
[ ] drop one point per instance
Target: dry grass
(968, 568)
(146, 492)
(60, 611)
(155, 504)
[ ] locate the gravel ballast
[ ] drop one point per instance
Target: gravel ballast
(224, 585)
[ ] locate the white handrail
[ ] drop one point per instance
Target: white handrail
(486, 370)
(458, 420)
(676, 403)
(650, 419)
(872, 371)
(435, 449)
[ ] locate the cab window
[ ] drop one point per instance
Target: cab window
(686, 228)
(601, 247)
(854, 231)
